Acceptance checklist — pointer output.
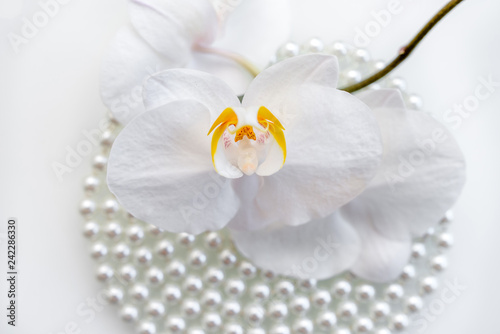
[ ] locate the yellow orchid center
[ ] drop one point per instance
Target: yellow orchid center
(243, 138)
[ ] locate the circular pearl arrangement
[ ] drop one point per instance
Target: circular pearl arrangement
(178, 283)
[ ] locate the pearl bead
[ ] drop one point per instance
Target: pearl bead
(382, 331)
(399, 322)
(363, 325)
(326, 320)
(365, 293)
(135, 234)
(413, 304)
(287, 51)
(128, 273)
(235, 287)
(90, 229)
(376, 66)
(285, 289)
(260, 291)
(113, 230)
(175, 324)
(307, 284)
(211, 298)
(414, 102)
(195, 331)
(300, 305)
(360, 56)
(408, 273)
(99, 251)
(171, 294)
(394, 292)
(418, 251)
(254, 315)
(164, 249)
(444, 240)
(269, 275)
(397, 83)
(247, 270)
(314, 45)
(233, 329)
(214, 276)
(193, 285)
(176, 270)
(121, 251)
(342, 331)
(155, 276)
(114, 295)
(155, 309)
(197, 259)
(337, 49)
(380, 311)
(146, 328)
(256, 331)
(107, 139)
(352, 77)
(277, 310)
(212, 322)
(227, 258)
(185, 239)
(321, 299)
(143, 256)
(342, 289)
(139, 292)
(280, 329)
(439, 263)
(104, 273)
(100, 162)
(428, 285)
(191, 308)
(87, 207)
(231, 308)
(111, 207)
(91, 184)
(448, 218)
(213, 240)
(154, 230)
(129, 313)
(303, 326)
(347, 310)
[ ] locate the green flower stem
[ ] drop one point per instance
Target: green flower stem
(406, 50)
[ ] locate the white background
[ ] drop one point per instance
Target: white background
(49, 95)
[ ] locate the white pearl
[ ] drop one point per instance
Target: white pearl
(155, 276)
(146, 328)
(155, 230)
(129, 313)
(428, 285)
(193, 284)
(227, 258)
(300, 305)
(175, 324)
(165, 249)
(195, 331)
(380, 310)
(314, 45)
(254, 315)
(135, 234)
(415, 102)
(326, 320)
(99, 251)
(363, 325)
(321, 299)
(235, 287)
(337, 49)
(382, 331)
(104, 273)
(113, 230)
(285, 289)
(360, 56)
(139, 292)
(308, 284)
(347, 310)
(128, 273)
(87, 207)
(408, 273)
(303, 326)
(90, 229)
(413, 304)
(277, 310)
(444, 240)
(231, 308)
(185, 239)
(399, 322)
(377, 66)
(197, 259)
(91, 184)
(176, 269)
(394, 292)
(213, 240)
(247, 270)
(351, 77)
(260, 291)
(287, 51)
(171, 294)
(418, 251)
(191, 308)
(214, 276)
(100, 162)
(107, 139)
(143, 256)
(342, 331)
(439, 263)
(269, 275)
(365, 293)
(397, 83)
(280, 329)
(342, 289)
(448, 218)
(212, 322)
(256, 331)
(233, 329)
(121, 251)
(114, 295)
(155, 309)
(211, 298)
(111, 207)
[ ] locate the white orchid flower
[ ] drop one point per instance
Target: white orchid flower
(294, 160)
(201, 34)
